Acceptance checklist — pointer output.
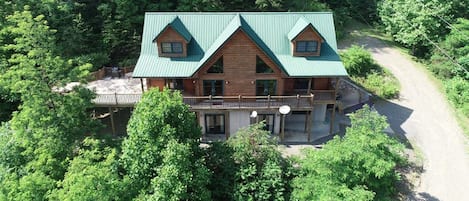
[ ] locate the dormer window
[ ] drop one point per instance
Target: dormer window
(307, 46)
(173, 40)
(305, 39)
(171, 47)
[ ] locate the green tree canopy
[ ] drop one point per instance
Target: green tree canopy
(262, 173)
(360, 166)
(158, 118)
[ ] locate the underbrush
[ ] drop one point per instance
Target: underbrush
(382, 84)
(366, 72)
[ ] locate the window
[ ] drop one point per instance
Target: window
(266, 87)
(262, 67)
(269, 121)
(301, 85)
(171, 47)
(217, 67)
(215, 123)
(176, 84)
(306, 46)
(213, 87)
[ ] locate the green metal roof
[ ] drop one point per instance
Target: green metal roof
(209, 31)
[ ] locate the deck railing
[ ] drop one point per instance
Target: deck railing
(214, 102)
(116, 100)
(247, 102)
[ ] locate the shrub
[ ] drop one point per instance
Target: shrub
(457, 90)
(358, 61)
(382, 85)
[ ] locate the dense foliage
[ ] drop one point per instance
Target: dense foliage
(261, 171)
(158, 118)
(364, 70)
(436, 31)
(360, 166)
(44, 154)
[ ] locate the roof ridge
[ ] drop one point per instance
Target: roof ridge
(232, 13)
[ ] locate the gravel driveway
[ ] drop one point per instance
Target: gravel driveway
(423, 116)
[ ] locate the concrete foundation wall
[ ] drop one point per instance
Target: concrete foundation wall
(319, 112)
(238, 119)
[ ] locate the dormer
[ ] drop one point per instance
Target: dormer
(305, 39)
(172, 41)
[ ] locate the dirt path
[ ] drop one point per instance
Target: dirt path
(424, 117)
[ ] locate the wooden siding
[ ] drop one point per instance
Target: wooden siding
(321, 84)
(189, 86)
(153, 82)
(308, 34)
(239, 67)
(170, 35)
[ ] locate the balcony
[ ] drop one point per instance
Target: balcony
(298, 102)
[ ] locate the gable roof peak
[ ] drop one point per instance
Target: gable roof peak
(179, 27)
(300, 25)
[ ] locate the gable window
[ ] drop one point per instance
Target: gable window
(217, 67)
(262, 67)
(307, 46)
(215, 123)
(266, 87)
(213, 87)
(171, 47)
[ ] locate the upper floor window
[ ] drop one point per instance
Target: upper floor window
(307, 46)
(171, 47)
(266, 87)
(262, 67)
(217, 67)
(213, 87)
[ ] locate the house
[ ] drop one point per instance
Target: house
(231, 66)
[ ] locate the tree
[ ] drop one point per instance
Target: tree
(182, 175)
(360, 166)
(158, 118)
(262, 173)
(415, 24)
(454, 46)
(92, 175)
(48, 124)
(220, 162)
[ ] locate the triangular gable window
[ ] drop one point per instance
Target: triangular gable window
(217, 67)
(262, 67)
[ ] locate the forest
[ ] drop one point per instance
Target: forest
(49, 149)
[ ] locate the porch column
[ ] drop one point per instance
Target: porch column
(332, 119)
(113, 127)
(308, 124)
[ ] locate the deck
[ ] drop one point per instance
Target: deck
(297, 102)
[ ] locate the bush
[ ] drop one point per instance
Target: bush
(457, 90)
(358, 61)
(364, 70)
(383, 85)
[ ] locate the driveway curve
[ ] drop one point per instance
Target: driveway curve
(424, 117)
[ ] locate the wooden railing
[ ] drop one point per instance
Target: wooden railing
(116, 100)
(247, 102)
(324, 96)
(215, 102)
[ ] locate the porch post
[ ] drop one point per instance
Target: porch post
(141, 85)
(332, 119)
(113, 127)
(310, 124)
(309, 86)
